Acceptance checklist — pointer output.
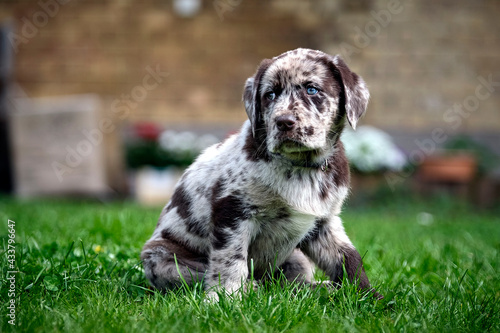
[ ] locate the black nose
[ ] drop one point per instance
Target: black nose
(286, 122)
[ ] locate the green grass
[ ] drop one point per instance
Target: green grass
(80, 271)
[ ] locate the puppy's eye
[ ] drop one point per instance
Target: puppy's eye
(312, 91)
(270, 95)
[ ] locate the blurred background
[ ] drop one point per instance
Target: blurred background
(112, 99)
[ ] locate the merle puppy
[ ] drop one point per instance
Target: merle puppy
(272, 193)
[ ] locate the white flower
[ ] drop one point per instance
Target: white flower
(370, 149)
(185, 141)
(206, 141)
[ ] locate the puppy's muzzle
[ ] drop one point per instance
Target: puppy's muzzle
(286, 123)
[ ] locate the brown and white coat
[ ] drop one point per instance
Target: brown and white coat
(272, 193)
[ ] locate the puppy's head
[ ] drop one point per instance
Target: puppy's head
(298, 101)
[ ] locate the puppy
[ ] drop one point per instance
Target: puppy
(270, 196)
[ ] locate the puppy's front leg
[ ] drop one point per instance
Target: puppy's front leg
(330, 248)
(228, 268)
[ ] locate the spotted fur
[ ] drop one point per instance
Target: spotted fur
(268, 197)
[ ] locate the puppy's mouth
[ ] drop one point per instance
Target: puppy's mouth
(296, 150)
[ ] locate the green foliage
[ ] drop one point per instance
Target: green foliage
(148, 152)
(80, 271)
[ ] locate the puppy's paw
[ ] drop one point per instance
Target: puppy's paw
(251, 285)
(377, 295)
(324, 284)
(211, 297)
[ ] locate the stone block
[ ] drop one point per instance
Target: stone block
(58, 146)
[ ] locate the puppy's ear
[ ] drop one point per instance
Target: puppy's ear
(355, 92)
(249, 101)
(251, 96)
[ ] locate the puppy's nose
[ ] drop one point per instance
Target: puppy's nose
(286, 122)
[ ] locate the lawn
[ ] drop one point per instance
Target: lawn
(436, 262)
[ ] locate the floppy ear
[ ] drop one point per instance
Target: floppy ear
(355, 92)
(249, 100)
(251, 96)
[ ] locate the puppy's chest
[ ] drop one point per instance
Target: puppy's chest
(283, 214)
(301, 191)
(277, 231)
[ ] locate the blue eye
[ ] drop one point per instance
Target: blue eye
(312, 91)
(270, 95)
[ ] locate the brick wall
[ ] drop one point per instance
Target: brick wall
(427, 59)
(419, 59)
